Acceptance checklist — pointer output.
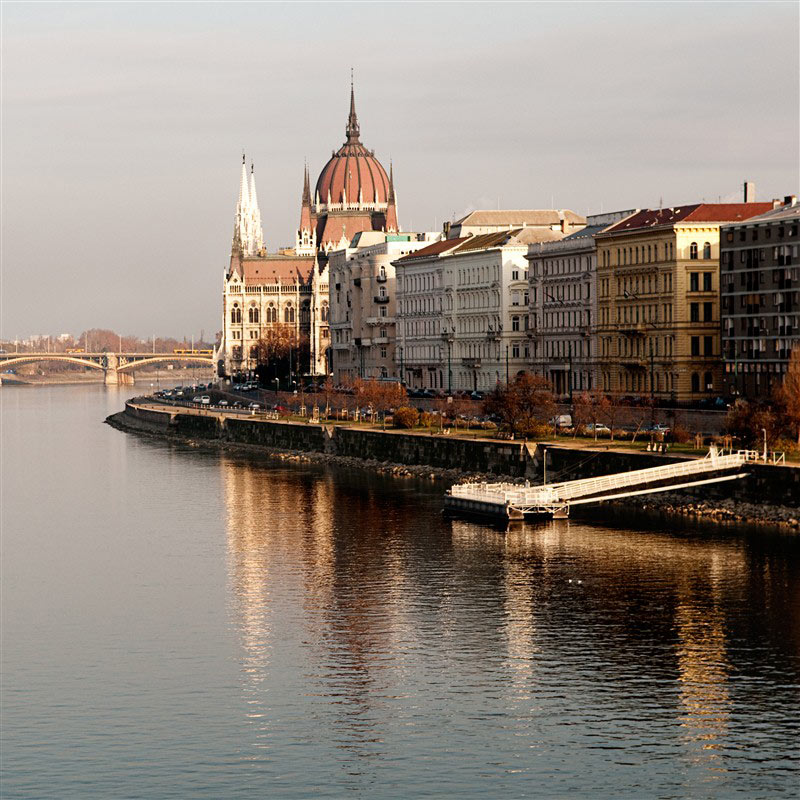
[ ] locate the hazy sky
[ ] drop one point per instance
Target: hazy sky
(123, 126)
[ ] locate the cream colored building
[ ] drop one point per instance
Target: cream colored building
(476, 223)
(463, 310)
(658, 316)
(363, 303)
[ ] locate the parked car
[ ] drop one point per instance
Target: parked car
(562, 421)
(254, 407)
(597, 427)
(223, 404)
(205, 400)
(197, 399)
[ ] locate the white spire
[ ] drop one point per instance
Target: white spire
(247, 232)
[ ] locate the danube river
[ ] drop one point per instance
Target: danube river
(184, 623)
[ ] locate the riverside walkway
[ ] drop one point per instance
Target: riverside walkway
(514, 502)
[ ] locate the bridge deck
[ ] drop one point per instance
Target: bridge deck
(514, 501)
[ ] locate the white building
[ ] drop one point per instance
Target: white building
(563, 306)
(363, 303)
(463, 310)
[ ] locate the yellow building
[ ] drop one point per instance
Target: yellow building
(658, 318)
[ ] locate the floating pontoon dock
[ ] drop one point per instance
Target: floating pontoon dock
(512, 501)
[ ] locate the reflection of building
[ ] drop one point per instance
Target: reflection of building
(760, 287)
(463, 309)
(363, 313)
(563, 305)
(658, 300)
(353, 193)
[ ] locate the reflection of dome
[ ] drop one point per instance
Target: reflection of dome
(353, 175)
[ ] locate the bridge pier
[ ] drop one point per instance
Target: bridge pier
(115, 377)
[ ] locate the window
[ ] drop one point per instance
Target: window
(514, 323)
(708, 345)
(325, 312)
(272, 313)
(383, 352)
(382, 291)
(515, 275)
(236, 314)
(382, 312)
(694, 281)
(288, 313)
(706, 281)
(252, 314)
(708, 382)
(694, 312)
(693, 251)
(695, 345)
(707, 250)
(708, 312)
(695, 382)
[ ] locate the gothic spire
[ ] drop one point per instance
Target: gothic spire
(252, 191)
(244, 194)
(353, 130)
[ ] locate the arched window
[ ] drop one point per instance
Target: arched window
(252, 314)
(254, 351)
(236, 314)
(695, 382)
(693, 251)
(272, 313)
(288, 313)
(325, 312)
(305, 313)
(382, 291)
(707, 250)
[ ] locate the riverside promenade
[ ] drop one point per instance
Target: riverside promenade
(454, 458)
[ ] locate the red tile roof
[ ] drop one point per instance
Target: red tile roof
(435, 249)
(278, 269)
(695, 212)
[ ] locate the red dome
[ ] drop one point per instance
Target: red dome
(353, 175)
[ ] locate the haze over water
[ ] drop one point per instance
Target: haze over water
(177, 622)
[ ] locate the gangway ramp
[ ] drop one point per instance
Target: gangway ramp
(513, 501)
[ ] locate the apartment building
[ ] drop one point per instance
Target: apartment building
(760, 288)
(658, 316)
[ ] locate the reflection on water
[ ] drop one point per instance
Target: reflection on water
(404, 637)
(183, 623)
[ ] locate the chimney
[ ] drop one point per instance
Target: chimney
(564, 225)
(749, 192)
(790, 200)
(776, 203)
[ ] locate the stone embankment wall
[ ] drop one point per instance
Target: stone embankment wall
(764, 484)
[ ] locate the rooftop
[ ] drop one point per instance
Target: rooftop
(694, 212)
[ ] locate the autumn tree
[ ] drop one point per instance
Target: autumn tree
(524, 405)
(788, 396)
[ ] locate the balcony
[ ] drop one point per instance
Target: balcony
(471, 363)
(632, 328)
(379, 321)
(382, 298)
(381, 278)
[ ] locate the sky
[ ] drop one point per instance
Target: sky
(123, 126)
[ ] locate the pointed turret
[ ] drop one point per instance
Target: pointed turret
(305, 242)
(392, 225)
(353, 130)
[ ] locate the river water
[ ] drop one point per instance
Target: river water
(180, 623)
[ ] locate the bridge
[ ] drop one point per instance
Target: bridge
(510, 501)
(117, 368)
